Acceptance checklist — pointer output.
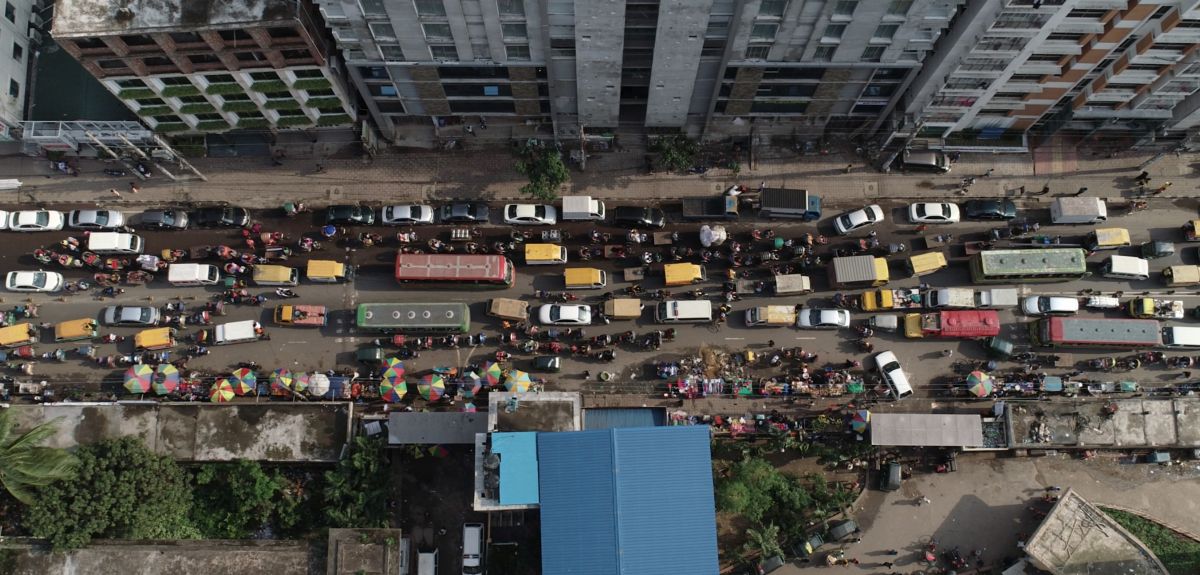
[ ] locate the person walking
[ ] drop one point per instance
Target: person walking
(1021, 190)
(1045, 190)
(887, 564)
(133, 187)
(846, 170)
(771, 343)
(114, 192)
(1081, 191)
(1142, 178)
(947, 353)
(891, 552)
(989, 172)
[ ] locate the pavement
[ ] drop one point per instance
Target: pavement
(985, 505)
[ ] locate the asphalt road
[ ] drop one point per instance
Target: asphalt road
(334, 345)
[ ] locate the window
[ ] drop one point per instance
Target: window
(437, 31)
(383, 91)
(763, 32)
(833, 32)
(757, 52)
(772, 8)
(372, 7)
(204, 59)
(431, 8)
(391, 52)
(845, 8)
(517, 52)
(824, 53)
(18, 51)
(481, 51)
(444, 52)
(382, 31)
(717, 26)
(562, 47)
(872, 54)
(511, 8)
(515, 30)
(899, 7)
(10, 12)
(14, 89)
(886, 31)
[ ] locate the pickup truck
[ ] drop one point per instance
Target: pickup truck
(1151, 308)
(884, 299)
(967, 298)
(301, 315)
(719, 208)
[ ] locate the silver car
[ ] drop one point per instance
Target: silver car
(130, 315)
(407, 214)
(95, 219)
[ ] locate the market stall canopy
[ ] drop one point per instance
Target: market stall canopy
(712, 236)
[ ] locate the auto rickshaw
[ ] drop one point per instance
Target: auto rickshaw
(154, 339)
(1157, 249)
(75, 330)
(329, 271)
(18, 335)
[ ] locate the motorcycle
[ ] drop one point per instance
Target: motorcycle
(115, 172)
(865, 345)
(286, 293)
(863, 331)
(627, 337)
(111, 291)
(600, 238)
(143, 169)
(694, 294)
(602, 340)
(1103, 363)
(111, 338)
(766, 234)
(604, 355)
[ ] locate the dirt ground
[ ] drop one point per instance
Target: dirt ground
(434, 508)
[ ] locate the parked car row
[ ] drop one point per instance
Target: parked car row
(929, 213)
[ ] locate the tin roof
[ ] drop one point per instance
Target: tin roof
(108, 17)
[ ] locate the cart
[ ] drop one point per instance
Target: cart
(972, 248)
(663, 238)
(636, 274)
(615, 252)
(460, 235)
(938, 241)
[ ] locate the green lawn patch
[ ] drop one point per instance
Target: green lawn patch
(1180, 554)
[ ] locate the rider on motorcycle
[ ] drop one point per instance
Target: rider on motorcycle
(285, 293)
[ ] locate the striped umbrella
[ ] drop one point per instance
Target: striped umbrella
(243, 380)
(166, 379)
(470, 385)
(979, 384)
(221, 391)
(300, 381)
(858, 423)
(493, 373)
(281, 379)
(395, 371)
(432, 387)
(517, 381)
(392, 392)
(469, 407)
(139, 378)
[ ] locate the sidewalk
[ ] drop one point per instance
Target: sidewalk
(489, 174)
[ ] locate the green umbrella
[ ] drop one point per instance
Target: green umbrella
(139, 378)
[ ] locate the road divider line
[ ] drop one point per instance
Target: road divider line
(734, 338)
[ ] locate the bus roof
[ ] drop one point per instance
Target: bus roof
(450, 267)
(412, 314)
(1019, 262)
(1105, 331)
(968, 323)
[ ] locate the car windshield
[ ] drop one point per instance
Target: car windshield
(845, 219)
(922, 210)
(100, 218)
(869, 215)
(43, 218)
(555, 313)
(39, 280)
(890, 367)
(1045, 304)
(814, 317)
(167, 218)
(539, 211)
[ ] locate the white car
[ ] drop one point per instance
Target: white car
(858, 219)
(38, 281)
(530, 215)
(816, 318)
(1050, 305)
(893, 375)
(35, 221)
(933, 213)
(95, 219)
(564, 314)
(407, 214)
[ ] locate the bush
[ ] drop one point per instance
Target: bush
(235, 500)
(332, 102)
(1179, 554)
(175, 91)
(545, 170)
(151, 111)
(269, 86)
(135, 93)
(219, 89)
(312, 84)
(197, 109)
(333, 120)
(675, 153)
(239, 106)
(213, 126)
(251, 123)
(356, 492)
(289, 121)
(282, 105)
(756, 490)
(168, 127)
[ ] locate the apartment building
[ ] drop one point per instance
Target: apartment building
(18, 38)
(705, 67)
(1012, 73)
(210, 65)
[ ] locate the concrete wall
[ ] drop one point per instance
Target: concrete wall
(681, 26)
(599, 42)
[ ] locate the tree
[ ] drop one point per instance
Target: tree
(356, 492)
(545, 170)
(25, 465)
(234, 500)
(120, 490)
(764, 541)
(675, 153)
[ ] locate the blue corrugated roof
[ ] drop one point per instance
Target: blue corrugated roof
(607, 418)
(518, 467)
(627, 501)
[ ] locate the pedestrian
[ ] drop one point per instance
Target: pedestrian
(770, 343)
(114, 192)
(891, 552)
(947, 353)
(587, 374)
(133, 187)
(853, 560)
(1045, 190)
(887, 564)
(921, 229)
(846, 170)
(1185, 375)
(320, 168)
(1142, 177)
(1081, 191)
(482, 123)
(470, 129)
(873, 234)
(1022, 190)
(989, 172)
(1053, 488)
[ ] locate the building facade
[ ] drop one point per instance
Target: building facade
(208, 66)
(19, 36)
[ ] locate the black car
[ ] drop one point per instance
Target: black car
(217, 216)
(164, 220)
(464, 213)
(635, 217)
(990, 210)
(349, 215)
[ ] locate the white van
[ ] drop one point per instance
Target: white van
(427, 562)
(472, 559)
(1126, 268)
(897, 381)
(1081, 210)
(690, 311)
(193, 274)
(1181, 336)
(105, 243)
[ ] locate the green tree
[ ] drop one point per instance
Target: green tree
(764, 541)
(675, 153)
(120, 490)
(25, 465)
(233, 500)
(545, 170)
(356, 492)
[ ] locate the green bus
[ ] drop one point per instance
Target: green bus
(414, 317)
(1029, 265)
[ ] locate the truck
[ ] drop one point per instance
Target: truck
(781, 203)
(787, 284)
(301, 315)
(859, 271)
(1081, 210)
(582, 208)
(966, 324)
(1152, 308)
(883, 299)
(719, 208)
(771, 315)
(967, 298)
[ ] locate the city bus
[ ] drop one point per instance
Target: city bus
(1095, 332)
(454, 270)
(414, 317)
(1029, 265)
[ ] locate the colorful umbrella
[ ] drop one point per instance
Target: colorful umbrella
(392, 392)
(166, 379)
(318, 384)
(492, 373)
(139, 378)
(745, 390)
(281, 379)
(470, 385)
(243, 380)
(858, 423)
(517, 381)
(438, 451)
(395, 371)
(432, 387)
(300, 381)
(469, 407)
(221, 391)
(979, 384)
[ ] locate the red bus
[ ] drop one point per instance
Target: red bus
(966, 324)
(454, 270)
(1095, 332)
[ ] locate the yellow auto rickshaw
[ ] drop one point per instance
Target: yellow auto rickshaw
(75, 330)
(329, 271)
(154, 339)
(18, 335)
(683, 274)
(926, 263)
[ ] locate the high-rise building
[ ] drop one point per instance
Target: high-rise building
(18, 38)
(208, 65)
(1013, 72)
(705, 67)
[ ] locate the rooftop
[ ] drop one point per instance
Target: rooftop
(543, 411)
(518, 467)
(1077, 538)
(1137, 423)
(108, 17)
(354, 551)
(927, 429)
(435, 427)
(185, 557)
